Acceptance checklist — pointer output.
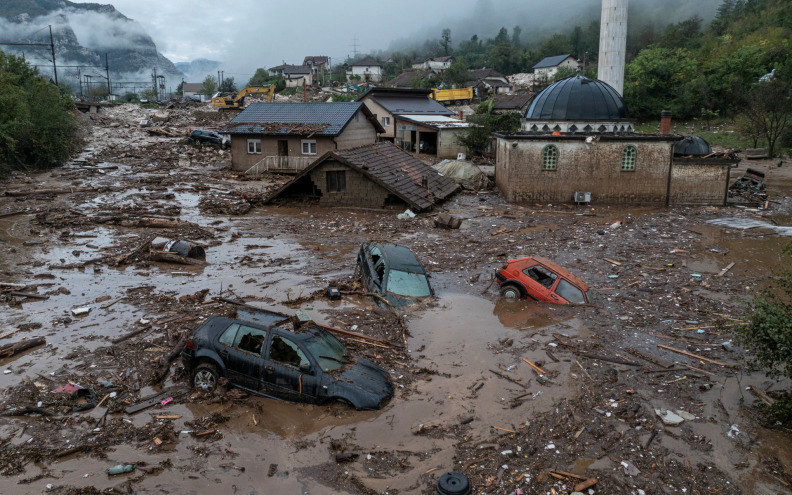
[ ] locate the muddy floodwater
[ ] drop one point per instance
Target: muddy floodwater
(513, 394)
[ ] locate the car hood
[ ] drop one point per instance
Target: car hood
(364, 384)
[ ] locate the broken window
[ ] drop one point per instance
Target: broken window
(287, 352)
(541, 275)
(336, 181)
(308, 146)
(408, 284)
(328, 351)
(628, 158)
(570, 292)
(254, 146)
(249, 339)
(549, 157)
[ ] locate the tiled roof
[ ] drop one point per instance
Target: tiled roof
(551, 61)
(404, 80)
(296, 69)
(318, 60)
(443, 59)
(478, 74)
(399, 102)
(365, 62)
(392, 168)
(318, 119)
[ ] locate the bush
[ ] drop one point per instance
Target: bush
(768, 336)
(37, 128)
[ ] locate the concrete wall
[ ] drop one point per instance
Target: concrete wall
(519, 174)
(447, 145)
(359, 132)
(374, 73)
(360, 191)
(379, 111)
(699, 183)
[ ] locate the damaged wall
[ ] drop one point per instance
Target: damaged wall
(699, 181)
(595, 169)
(359, 189)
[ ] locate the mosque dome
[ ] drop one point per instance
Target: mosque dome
(577, 98)
(692, 145)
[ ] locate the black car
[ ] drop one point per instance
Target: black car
(204, 136)
(267, 358)
(393, 272)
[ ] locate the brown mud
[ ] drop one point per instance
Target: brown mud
(466, 400)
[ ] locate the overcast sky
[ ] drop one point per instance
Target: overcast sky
(246, 34)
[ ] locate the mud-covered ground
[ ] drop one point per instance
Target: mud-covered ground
(82, 236)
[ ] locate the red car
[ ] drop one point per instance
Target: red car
(542, 280)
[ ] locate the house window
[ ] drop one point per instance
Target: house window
(385, 121)
(308, 147)
(549, 157)
(336, 181)
(254, 146)
(629, 154)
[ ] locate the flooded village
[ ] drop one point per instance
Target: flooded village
(329, 290)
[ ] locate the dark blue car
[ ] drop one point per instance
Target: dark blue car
(268, 358)
(393, 272)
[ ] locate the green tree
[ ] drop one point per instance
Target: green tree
(655, 79)
(445, 41)
(228, 85)
(516, 31)
(209, 86)
(457, 72)
(180, 88)
(769, 108)
(478, 138)
(260, 78)
(37, 129)
(563, 73)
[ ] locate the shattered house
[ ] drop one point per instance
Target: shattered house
(576, 137)
(274, 136)
(374, 176)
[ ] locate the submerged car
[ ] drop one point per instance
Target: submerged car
(393, 272)
(542, 280)
(267, 358)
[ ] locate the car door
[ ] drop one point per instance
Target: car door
(568, 292)
(539, 282)
(288, 371)
(242, 355)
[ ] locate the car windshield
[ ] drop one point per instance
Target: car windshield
(328, 351)
(570, 292)
(408, 284)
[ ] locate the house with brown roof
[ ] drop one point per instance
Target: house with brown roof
(319, 65)
(374, 176)
(511, 103)
(407, 78)
(487, 81)
(267, 136)
(387, 103)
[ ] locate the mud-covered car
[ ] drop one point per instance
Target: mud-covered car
(268, 358)
(393, 272)
(204, 136)
(542, 280)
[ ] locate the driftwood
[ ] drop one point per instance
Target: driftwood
(166, 360)
(29, 295)
(123, 258)
(130, 335)
(51, 191)
(351, 334)
(156, 223)
(23, 345)
(169, 257)
(73, 450)
(156, 131)
(28, 410)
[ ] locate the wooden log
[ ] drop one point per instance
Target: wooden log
(50, 191)
(351, 334)
(29, 295)
(583, 485)
(151, 222)
(73, 450)
(169, 257)
(691, 355)
(166, 360)
(130, 335)
(23, 345)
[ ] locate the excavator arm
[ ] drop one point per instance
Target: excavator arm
(238, 100)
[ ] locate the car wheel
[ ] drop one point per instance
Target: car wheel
(511, 292)
(205, 377)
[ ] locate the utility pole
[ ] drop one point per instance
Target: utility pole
(107, 71)
(52, 47)
(79, 80)
(354, 47)
(154, 80)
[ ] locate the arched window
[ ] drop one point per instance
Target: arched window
(549, 157)
(629, 156)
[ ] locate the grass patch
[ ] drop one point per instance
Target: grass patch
(722, 133)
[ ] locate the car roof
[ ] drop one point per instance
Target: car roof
(399, 257)
(556, 268)
(219, 323)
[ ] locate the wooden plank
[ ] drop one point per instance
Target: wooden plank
(691, 355)
(612, 262)
(729, 267)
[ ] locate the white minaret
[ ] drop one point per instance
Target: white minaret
(613, 43)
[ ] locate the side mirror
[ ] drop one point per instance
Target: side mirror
(306, 368)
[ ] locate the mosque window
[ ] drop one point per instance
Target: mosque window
(629, 155)
(549, 157)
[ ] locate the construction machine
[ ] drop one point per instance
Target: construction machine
(236, 103)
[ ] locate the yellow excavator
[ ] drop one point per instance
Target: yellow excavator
(237, 101)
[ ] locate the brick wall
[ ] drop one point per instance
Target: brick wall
(596, 169)
(702, 182)
(360, 191)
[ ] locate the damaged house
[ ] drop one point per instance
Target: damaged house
(576, 137)
(415, 122)
(375, 176)
(291, 135)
